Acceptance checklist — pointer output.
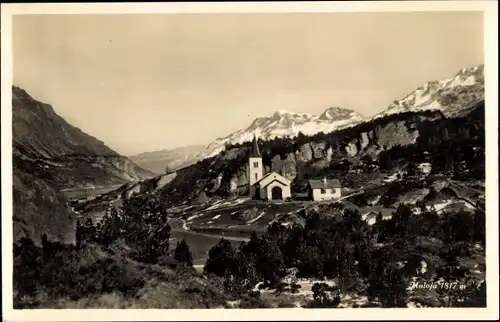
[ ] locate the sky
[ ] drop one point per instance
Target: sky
(148, 82)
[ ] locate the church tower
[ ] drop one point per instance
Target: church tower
(256, 170)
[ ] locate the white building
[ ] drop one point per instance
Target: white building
(320, 190)
(271, 186)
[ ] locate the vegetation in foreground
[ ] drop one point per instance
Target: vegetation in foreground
(125, 261)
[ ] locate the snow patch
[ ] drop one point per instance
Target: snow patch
(256, 218)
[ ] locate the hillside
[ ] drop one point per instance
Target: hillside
(173, 159)
(50, 155)
(71, 157)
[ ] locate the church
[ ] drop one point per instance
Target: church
(269, 186)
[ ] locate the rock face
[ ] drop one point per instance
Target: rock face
(39, 208)
(289, 166)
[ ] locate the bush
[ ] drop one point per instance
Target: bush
(325, 296)
(66, 271)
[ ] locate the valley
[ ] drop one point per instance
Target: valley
(410, 208)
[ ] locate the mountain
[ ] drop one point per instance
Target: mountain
(172, 159)
(50, 155)
(452, 146)
(73, 158)
(287, 124)
(450, 95)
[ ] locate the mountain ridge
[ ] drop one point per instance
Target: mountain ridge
(450, 95)
(284, 123)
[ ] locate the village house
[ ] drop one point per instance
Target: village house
(271, 186)
(320, 190)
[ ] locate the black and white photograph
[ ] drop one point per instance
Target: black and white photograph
(294, 160)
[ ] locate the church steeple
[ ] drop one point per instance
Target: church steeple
(255, 167)
(255, 148)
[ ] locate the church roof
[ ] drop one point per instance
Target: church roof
(324, 184)
(255, 148)
(264, 181)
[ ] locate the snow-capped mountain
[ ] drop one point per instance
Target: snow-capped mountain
(288, 124)
(449, 95)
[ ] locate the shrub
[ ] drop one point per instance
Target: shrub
(325, 296)
(183, 254)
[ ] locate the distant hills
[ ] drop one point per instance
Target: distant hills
(173, 159)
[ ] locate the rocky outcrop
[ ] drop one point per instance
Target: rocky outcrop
(383, 137)
(395, 133)
(289, 166)
(304, 153)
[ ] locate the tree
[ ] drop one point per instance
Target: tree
(78, 234)
(385, 161)
(480, 226)
(221, 259)
(270, 263)
(183, 254)
(88, 231)
(109, 230)
(387, 284)
(411, 169)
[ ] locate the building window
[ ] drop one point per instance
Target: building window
(256, 164)
(333, 190)
(323, 191)
(256, 175)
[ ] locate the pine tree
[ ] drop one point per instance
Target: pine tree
(270, 263)
(221, 259)
(183, 254)
(78, 235)
(385, 162)
(88, 231)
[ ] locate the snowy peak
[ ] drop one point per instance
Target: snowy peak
(288, 113)
(284, 123)
(450, 95)
(337, 113)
